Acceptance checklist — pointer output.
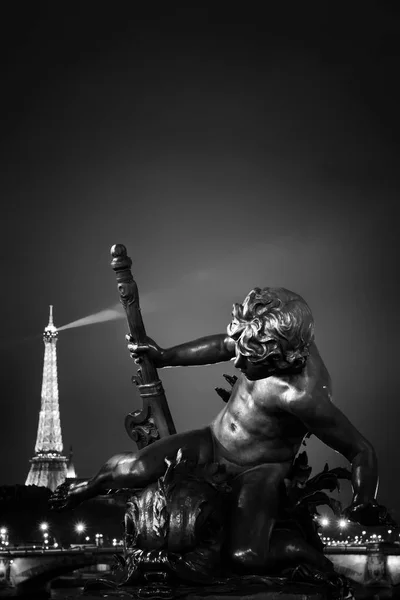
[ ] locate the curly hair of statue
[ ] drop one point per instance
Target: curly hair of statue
(273, 324)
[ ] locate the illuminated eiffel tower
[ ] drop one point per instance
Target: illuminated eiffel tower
(49, 466)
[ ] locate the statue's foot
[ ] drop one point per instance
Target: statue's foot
(70, 495)
(308, 574)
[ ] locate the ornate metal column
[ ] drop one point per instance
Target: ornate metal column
(154, 420)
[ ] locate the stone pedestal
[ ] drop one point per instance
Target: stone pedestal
(246, 588)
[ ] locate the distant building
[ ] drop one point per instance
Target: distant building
(49, 468)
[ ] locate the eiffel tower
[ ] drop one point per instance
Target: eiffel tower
(49, 468)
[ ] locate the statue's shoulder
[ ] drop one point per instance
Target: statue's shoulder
(315, 367)
(309, 383)
(314, 380)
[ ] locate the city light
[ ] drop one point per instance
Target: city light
(80, 527)
(3, 536)
(344, 536)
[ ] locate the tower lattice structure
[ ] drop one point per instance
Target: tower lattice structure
(49, 466)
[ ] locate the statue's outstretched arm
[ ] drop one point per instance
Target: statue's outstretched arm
(203, 351)
(331, 426)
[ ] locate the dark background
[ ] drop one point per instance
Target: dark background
(226, 150)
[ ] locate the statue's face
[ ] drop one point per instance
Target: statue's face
(252, 371)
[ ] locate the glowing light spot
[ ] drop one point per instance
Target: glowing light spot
(80, 527)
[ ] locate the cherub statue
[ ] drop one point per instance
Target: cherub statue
(283, 392)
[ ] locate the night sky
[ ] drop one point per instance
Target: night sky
(226, 151)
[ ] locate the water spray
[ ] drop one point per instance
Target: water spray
(109, 314)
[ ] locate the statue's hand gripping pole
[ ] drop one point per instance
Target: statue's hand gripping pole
(154, 420)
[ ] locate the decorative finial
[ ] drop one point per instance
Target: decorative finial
(51, 315)
(118, 250)
(120, 259)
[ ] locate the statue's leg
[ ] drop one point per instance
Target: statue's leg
(254, 545)
(255, 505)
(289, 548)
(138, 469)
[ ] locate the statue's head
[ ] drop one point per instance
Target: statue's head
(273, 330)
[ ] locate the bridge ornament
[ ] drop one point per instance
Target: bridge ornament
(202, 520)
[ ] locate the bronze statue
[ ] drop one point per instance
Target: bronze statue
(282, 393)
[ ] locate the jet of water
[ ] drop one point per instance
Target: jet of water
(150, 302)
(110, 314)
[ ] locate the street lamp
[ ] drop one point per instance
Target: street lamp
(44, 529)
(80, 527)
